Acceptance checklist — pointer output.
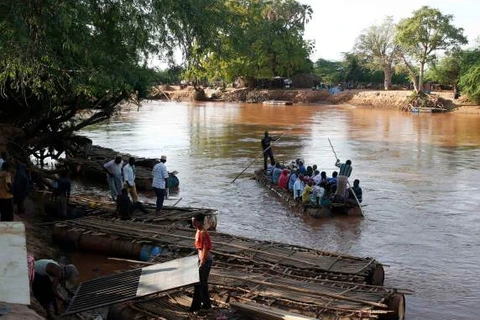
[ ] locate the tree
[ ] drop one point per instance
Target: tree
(427, 31)
(66, 64)
(470, 74)
(377, 47)
(264, 39)
(447, 70)
(331, 72)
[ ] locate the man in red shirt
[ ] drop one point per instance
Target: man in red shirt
(201, 297)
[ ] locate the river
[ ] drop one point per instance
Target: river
(419, 174)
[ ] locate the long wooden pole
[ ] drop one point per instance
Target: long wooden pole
(263, 151)
(348, 182)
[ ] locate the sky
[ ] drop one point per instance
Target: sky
(335, 25)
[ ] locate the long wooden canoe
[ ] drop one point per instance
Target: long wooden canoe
(322, 211)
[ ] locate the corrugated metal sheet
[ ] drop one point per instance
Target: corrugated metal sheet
(133, 284)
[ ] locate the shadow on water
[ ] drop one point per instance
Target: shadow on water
(418, 172)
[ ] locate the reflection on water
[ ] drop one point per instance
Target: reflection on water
(418, 171)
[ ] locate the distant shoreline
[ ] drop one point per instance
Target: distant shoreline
(393, 99)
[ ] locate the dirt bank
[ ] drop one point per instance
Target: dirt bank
(372, 98)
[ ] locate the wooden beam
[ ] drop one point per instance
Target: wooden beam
(268, 313)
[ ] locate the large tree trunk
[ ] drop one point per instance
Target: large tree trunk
(387, 82)
(420, 76)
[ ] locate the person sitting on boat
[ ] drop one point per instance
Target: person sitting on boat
(301, 167)
(333, 179)
(331, 186)
(317, 194)
(292, 179)
(270, 169)
(321, 179)
(283, 180)
(298, 187)
(276, 173)
(267, 150)
(357, 190)
(125, 207)
(307, 191)
(309, 172)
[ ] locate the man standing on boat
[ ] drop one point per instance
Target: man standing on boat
(267, 150)
(342, 180)
(113, 168)
(129, 178)
(160, 182)
(201, 296)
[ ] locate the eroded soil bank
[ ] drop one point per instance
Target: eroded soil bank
(395, 99)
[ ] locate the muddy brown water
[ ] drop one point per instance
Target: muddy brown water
(419, 175)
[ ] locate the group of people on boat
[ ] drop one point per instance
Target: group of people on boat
(312, 187)
(307, 184)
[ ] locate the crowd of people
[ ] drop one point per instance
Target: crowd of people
(121, 182)
(306, 183)
(312, 187)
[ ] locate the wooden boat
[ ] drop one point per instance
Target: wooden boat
(325, 210)
(428, 110)
(126, 238)
(80, 206)
(278, 102)
(250, 278)
(91, 168)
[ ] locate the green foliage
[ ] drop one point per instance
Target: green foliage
(352, 69)
(172, 75)
(425, 32)
(469, 82)
(470, 74)
(62, 57)
(260, 40)
(446, 71)
(377, 48)
(331, 72)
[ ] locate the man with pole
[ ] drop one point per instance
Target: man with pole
(267, 150)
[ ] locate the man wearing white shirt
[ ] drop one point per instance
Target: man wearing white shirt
(129, 178)
(113, 168)
(160, 182)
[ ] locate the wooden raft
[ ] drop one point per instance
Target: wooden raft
(253, 292)
(171, 215)
(268, 255)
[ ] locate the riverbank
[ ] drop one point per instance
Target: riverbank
(395, 99)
